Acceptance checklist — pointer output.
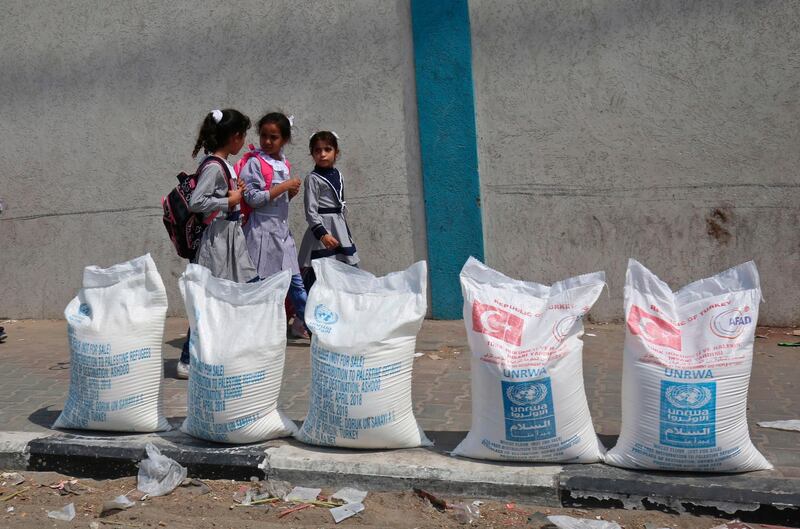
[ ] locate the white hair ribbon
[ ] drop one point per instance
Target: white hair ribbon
(217, 115)
(291, 120)
(332, 132)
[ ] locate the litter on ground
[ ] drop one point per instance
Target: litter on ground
(792, 425)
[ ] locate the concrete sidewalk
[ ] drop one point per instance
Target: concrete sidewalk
(35, 374)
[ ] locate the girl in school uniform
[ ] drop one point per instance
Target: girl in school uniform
(328, 234)
(269, 240)
(217, 196)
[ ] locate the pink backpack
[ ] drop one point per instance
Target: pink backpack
(266, 174)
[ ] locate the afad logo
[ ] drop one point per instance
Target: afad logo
(731, 323)
(497, 323)
(653, 329)
(563, 326)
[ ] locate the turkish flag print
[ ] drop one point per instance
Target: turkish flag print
(653, 329)
(497, 323)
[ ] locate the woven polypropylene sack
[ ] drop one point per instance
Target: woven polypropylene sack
(237, 353)
(686, 370)
(528, 399)
(362, 352)
(115, 327)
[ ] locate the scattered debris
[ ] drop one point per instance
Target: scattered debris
(349, 495)
(650, 525)
(761, 336)
(120, 503)
(65, 487)
(261, 492)
(793, 425)
(275, 488)
(14, 494)
(436, 502)
(417, 355)
(66, 514)
(294, 509)
(346, 511)
(465, 513)
(539, 520)
(302, 494)
(10, 509)
(796, 332)
(789, 344)
(568, 522)
(12, 478)
(195, 486)
(158, 474)
(590, 334)
(434, 356)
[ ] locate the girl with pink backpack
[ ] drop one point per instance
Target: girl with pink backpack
(268, 189)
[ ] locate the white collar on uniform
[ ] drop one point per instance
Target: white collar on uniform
(278, 165)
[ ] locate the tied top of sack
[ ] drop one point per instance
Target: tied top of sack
(139, 269)
(352, 280)
(523, 307)
(741, 278)
(477, 274)
(238, 293)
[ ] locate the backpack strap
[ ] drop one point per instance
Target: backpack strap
(266, 169)
(215, 159)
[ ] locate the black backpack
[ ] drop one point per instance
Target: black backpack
(185, 228)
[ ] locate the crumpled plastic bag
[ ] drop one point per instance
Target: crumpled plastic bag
(120, 503)
(66, 514)
(346, 511)
(302, 494)
(158, 474)
(349, 495)
(789, 425)
(568, 522)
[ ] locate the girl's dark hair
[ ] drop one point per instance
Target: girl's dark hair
(214, 135)
(279, 119)
(323, 135)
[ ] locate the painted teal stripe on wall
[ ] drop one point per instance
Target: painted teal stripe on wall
(445, 102)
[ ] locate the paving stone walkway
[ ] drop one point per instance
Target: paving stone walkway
(34, 377)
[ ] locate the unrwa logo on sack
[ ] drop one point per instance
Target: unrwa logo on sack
(85, 309)
(325, 315)
(527, 394)
(324, 318)
(691, 396)
(730, 323)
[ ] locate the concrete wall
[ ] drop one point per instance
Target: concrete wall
(100, 109)
(666, 131)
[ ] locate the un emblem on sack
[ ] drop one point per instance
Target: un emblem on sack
(688, 396)
(324, 318)
(325, 315)
(526, 394)
(85, 309)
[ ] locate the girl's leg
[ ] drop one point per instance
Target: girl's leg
(185, 349)
(298, 296)
(183, 364)
(309, 278)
